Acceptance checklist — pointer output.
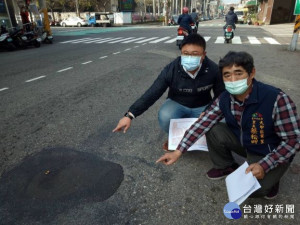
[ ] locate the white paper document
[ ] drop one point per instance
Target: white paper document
(177, 130)
(241, 185)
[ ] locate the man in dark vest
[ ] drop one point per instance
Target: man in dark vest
(262, 125)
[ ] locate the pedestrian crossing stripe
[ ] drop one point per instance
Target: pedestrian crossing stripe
(237, 40)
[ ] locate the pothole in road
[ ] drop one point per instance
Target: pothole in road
(57, 178)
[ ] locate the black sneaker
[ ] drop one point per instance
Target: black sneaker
(273, 192)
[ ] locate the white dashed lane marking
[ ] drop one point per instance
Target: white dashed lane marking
(36, 78)
(69, 68)
(3, 89)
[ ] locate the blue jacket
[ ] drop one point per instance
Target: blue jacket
(257, 133)
(184, 21)
(231, 19)
(191, 93)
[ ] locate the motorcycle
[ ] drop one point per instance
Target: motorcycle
(229, 33)
(32, 39)
(43, 35)
(181, 34)
(23, 39)
(194, 28)
(6, 42)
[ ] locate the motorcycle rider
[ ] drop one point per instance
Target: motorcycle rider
(195, 17)
(185, 20)
(230, 19)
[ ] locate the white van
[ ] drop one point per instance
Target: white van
(241, 14)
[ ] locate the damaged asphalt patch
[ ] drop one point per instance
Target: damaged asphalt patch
(54, 180)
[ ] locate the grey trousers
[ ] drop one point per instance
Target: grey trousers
(222, 142)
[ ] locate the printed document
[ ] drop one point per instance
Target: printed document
(241, 185)
(177, 130)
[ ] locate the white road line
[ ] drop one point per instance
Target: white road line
(253, 40)
(103, 57)
(81, 40)
(120, 40)
(127, 49)
(172, 40)
(94, 40)
(136, 39)
(220, 40)
(144, 44)
(36, 78)
(76, 40)
(159, 40)
(272, 41)
(236, 40)
(143, 41)
(206, 38)
(109, 40)
(69, 68)
(136, 46)
(86, 62)
(3, 89)
(115, 53)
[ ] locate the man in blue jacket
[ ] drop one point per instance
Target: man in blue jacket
(262, 125)
(189, 78)
(231, 18)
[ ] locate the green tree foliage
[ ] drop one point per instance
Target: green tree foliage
(84, 5)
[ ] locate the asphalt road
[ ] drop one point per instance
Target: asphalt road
(67, 97)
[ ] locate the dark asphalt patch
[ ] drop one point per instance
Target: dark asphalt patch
(54, 180)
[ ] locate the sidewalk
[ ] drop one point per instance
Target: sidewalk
(282, 32)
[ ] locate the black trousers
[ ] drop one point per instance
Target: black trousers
(222, 142)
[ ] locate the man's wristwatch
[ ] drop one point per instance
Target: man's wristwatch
(128, 115)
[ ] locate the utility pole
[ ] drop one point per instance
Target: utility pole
(77, 7)
(154, 9)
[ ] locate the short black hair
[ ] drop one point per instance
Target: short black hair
(194, 39)
(231, 8)
(242, 59)
(194, 10)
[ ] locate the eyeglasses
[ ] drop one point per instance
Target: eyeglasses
(191, 53)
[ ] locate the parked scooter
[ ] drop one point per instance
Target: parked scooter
(6, 42)
(32, 39)
(181, 34)
(229, 33)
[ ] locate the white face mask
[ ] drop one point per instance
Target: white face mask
(190, 63)
(236, 87)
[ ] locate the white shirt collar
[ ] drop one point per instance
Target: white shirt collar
(196, 73)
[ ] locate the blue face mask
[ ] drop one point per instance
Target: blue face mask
(237, 87)
(190, 63)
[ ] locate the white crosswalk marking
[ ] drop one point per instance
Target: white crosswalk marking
(272, 41)
(136, 39)
(254, 40)
(76, 40)
(206, 38)
(121, 40)
(94, 40)
(111, 39)
(159, 40)
(236, 40)
(220, 40)
(171, 41)
(143, 41)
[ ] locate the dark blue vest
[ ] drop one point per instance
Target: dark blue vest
(257, 133)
